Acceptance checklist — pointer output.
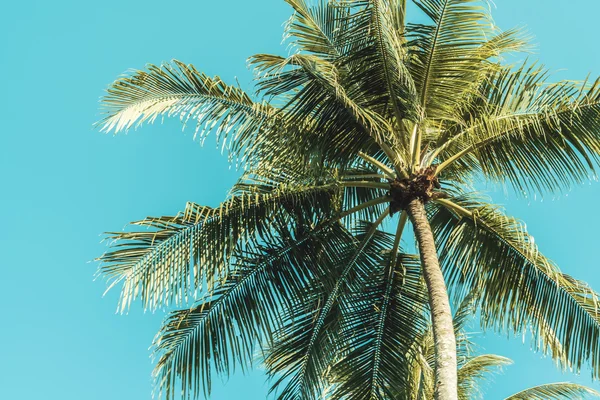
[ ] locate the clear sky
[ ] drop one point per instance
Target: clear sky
(63, 183)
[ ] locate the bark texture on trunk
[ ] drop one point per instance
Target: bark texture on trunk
(446, 384)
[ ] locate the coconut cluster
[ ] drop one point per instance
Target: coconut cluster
(422, 186)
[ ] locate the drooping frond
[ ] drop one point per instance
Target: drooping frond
(170, 257)
(519, 288)
(555, 391)
(465, 311)
(177, 89)
(472, 372)
(249, 130)
(383, 317)
(305, 347)
(225, 327)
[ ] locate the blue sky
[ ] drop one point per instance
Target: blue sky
(64, 183)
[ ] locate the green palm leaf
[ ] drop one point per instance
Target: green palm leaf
(236, 318)
(303, 349)
(474, 370)
(313, 90)
(179, 90)
(379, 65)
(519, 288)
(555, 391)
(520, 129)
(386, 316)
(449, 55)
(172, 256)
(316, 28)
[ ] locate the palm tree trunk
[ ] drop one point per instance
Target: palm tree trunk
(446, 385)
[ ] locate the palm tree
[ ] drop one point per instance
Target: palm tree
(370, 120)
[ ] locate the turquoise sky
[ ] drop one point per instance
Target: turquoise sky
(64, 183)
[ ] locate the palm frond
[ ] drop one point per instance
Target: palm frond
(177, 89)
(519, 288)
(248, 129)
(304, 347)
(474, 370)
(555, 391)
(398, 13)
(379, 62)
(535, 135)
(457, 28)
(358, 185)
(171, 257)
(451, 54)
(465, 310)
(223, 329)
(383, 317)
(365, 81)
(319, 95)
